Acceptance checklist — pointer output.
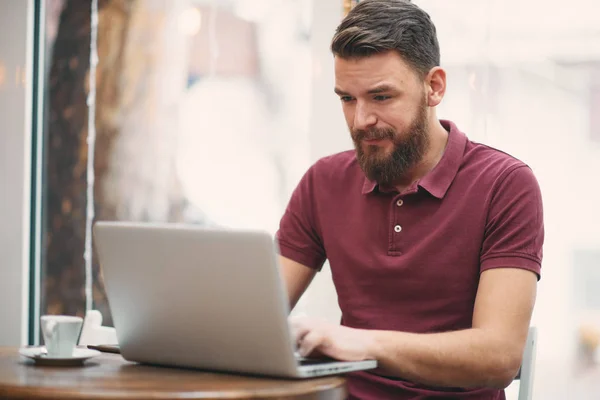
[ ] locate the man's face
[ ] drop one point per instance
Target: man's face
(386, 110)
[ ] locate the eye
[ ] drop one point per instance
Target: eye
(381, 98)
(346, 99)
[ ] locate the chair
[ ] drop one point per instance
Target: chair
(93, 333)
(525, 375)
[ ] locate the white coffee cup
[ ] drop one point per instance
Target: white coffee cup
(60, 334)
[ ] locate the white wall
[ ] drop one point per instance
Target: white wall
(15, 144)
(328, 131)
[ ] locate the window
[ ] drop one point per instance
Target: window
(201, 116)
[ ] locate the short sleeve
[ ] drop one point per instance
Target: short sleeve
(298, 236)
(514, 232)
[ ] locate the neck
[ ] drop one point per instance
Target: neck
(438, 138)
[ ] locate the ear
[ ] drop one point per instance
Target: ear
(435, 85)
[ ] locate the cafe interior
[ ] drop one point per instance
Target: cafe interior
(122, 110)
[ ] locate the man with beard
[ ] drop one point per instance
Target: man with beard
(434, 241)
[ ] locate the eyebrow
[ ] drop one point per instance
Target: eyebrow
(380, 89)
(377, 89)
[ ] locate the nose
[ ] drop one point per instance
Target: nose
(364, 117)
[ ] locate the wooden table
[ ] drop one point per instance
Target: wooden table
(109, 376)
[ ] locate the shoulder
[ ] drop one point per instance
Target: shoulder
(507, 184)
(486, 164)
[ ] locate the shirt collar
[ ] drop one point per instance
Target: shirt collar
(439, 179)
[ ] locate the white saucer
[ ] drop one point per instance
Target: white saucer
(38, 354)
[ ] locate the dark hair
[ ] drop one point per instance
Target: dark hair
(377, 26)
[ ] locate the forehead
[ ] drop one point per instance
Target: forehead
(363, 72)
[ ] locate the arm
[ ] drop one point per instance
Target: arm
(487, 355)
(301, 250)
(296, 278)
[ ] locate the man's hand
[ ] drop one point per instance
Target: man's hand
(320, 338)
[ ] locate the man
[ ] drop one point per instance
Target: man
(434, 241)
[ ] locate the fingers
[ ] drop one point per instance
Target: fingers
(299, 327)
(310, 342)
(306, 334)
(310, 335)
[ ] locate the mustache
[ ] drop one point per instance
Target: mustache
(373, 134)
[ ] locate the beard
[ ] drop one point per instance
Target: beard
(385, 168)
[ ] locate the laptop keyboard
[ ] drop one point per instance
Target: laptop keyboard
(314, 361)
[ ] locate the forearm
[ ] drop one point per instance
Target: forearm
(467, 358)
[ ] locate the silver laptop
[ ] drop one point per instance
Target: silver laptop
(195, 297)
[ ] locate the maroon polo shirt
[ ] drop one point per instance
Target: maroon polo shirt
(411, 261)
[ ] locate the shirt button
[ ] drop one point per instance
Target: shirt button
(397, 228)
(399, 203)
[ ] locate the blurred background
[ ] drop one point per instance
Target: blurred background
(210, 111)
